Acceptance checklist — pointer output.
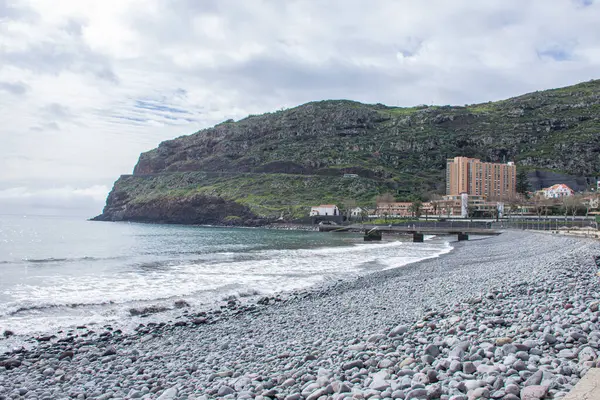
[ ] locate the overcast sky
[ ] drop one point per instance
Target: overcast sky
(86, 85)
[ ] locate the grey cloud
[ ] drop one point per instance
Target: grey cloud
(56, 110)
(176, 19)
(51, 114)
(267, 76)
(16, 88)
(74, 27)
(48, 126)
(54, 58)
(11, 11)
(410, 46)
(194, 6)
(356, 45)
(52, 126)
(106, 73)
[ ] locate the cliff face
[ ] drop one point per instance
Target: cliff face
(194, 209)
(309, 148)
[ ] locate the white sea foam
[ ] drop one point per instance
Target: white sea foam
(102, 298)
(119, 267)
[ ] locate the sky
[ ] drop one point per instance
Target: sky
(87, 85)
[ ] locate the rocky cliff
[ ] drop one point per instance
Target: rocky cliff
(277, 164)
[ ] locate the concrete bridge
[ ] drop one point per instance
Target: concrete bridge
(374, 232)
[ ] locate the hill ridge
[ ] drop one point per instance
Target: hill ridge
(390, 148)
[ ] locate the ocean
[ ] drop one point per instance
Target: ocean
(58, 272)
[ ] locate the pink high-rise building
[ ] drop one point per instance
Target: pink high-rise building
(474, 177)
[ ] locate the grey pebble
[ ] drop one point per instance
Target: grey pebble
(452, 329)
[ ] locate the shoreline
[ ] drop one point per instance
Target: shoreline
(360, 337)
(159, 312)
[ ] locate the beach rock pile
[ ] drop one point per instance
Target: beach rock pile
(491, 320)
(522, 342)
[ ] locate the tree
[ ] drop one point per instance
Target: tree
(523, 185)
(570, 205)
(385, 198)
(591, 202)
(435, 199)
(471, 211)
(512, 208)
(541, 205)
(383, 202)
(364, 214)
(415, 208)
(578, 205)
(349, 204)
(514, 203)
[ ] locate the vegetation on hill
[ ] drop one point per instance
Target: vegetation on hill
(285, 161)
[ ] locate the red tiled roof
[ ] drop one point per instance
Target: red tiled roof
(559, 186)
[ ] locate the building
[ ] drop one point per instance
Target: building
(401, 209)
(393, 209)
(357, 212)
(464, 205)
(324, 210)
(557, 191)
(371, 212)
(592, 202)
(477, 178)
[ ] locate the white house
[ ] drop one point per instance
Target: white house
(557, 191)
(324, 210)
(593, 202)
(356, 212)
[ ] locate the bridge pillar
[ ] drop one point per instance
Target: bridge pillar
(463, 236)
(418, 237)
(372, 235)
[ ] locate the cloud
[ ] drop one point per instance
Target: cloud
(98, 84)
(55, 110)
(156, 106)
(51, 58)
(46, 126)
(10, 11)
(16, 88)
(57, 201)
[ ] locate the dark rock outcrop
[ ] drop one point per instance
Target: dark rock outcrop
(196, 209)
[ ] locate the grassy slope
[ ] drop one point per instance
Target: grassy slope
(265, 194)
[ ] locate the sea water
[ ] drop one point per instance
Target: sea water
(57, 273)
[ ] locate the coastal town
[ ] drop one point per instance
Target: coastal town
(475, 189)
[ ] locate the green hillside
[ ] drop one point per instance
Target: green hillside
(288, 160)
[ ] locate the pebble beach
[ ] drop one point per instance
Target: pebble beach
(507, 317)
